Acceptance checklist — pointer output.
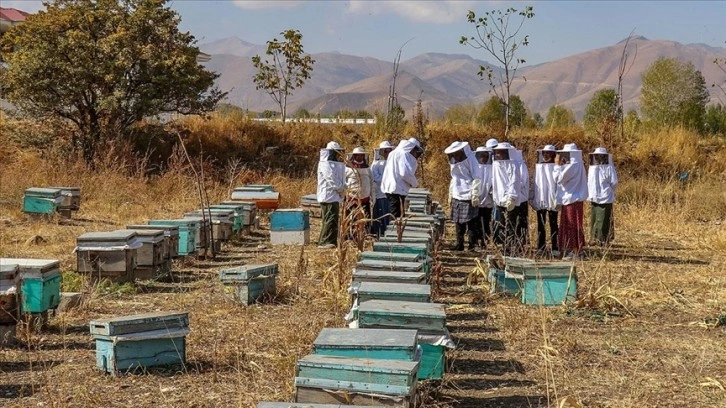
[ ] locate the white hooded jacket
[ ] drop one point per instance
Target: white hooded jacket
(601, 183)
(399, 174)
(359, 182)
(379, 164)
(485, 195)
(331, 179)
(570, 178)
(545, 188)
(465, 177)
(523, 173)
(506, 178)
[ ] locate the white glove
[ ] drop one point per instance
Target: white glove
(509, 204)
(475, 193)
(475, 200)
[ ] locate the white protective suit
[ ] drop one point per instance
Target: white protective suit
(465, 182)
(379, 164)
(359, 185)
(523, 192)
(545, 188)
(485, 172)
(399, 174)
(570, 178)
(331, 179)
(602, 181)
(506, 179)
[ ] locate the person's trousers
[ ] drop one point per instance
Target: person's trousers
(505, 223)
(380, 218)
(329, 229)
(601, 223)
(522, 225)
(472, 227)
(396, 203)
(571, 233)
(485, 223)
(544, 216)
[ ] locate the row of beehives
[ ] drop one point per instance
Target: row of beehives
(50, 200)
(396, 336)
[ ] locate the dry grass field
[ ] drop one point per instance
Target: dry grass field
(648, 330)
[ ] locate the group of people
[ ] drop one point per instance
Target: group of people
(378, 189)
(490, 194)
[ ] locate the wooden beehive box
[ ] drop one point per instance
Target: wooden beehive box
(408, 239)
(71, 200)
(39, 283)
(380, 344)
(390, 256)
(44, 201)
(187, 234)
(171, 238)
(290, 227)
(249, 212)
(107, 255)
(407, 292)
(330, 380)
(203, 236)
(391, 265)
(151, 260)
(372, 275)
(8, 293)
(257, 188)
(140, 341)
(432, 364)
(264, 200)
(238, 211)
(391, 314)
(421, 250)
(547, 283)
(250, 283)
(310, 203)
(222, 221)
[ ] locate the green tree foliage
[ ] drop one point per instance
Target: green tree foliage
(103, 65)
(601, 114)
(492, 113)
(461, 114)
(674, 94)
(285, 68)
(559, 117)
(537, 120)
(518, 113)
(302, 113)
(396, 120)
(631, 123)
(715, 120)
(499, 38)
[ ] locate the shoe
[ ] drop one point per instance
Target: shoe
(556, 254)
(327, 246)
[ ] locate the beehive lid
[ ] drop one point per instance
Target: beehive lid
(247, 272)
(246, 205)
(382, 274)
(412, 289)
(32, 265)
(366, 338)
(225, 216)
(222, 211)
(255, 195)
(183, 222)
(234, 207)
(389, 265)
(265, 404)
(403, 308)
(118, 236)
(389, 256)
(73, 191)
(367, 365)
(385, 246)
(169, 230)
(145, 322)
(198, 219)
(8, 270)
(43, 192)
(544, 270)
(144, 235)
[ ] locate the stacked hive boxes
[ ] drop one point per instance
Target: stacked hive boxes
(264, 196)
(536, 283)
(290, 227)
(44, 201)
(250, 283)
(108, 255)
(8, 302)
(310, 202)
(71, 200)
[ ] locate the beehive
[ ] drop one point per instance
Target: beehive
(150, 258)
(419, 249)
(372, 275)
(71, 200)
(290, 227)
(222, 221)
(171, 238)
(250, 283)
(238, 210)
(380, 344)
(264, 200)
(187, 234)
(108, 255)
(408, 292)
(8, 293)
(44, 201)
(547, 283)
(39, 283)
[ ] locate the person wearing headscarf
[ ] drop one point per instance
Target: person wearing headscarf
(486, 201)
(544, 200)
(380, 208)
(331, 190)
(602, 180)
(359, 184)
(399, 174)
(464, 193)
(505, 192)
(569, 175)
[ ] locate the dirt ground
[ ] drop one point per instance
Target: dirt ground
(642, 335)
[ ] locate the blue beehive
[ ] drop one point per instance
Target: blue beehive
(250, 283)
(408, 292)
(381, 344)
(419, 249)
(238, 215)
(373, 275)
(547, 283)
(42, 200)
(331, 379)
(187, 234)
(289, 220)
(390, 265)
(140, 341)
(40, 281)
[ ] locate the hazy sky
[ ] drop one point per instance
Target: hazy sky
(379, 28)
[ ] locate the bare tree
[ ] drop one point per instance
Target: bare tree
(498, 38)
(394, 112)
(623, 70)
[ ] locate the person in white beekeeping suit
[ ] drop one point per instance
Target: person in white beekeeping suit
(602, 180)
(380, 208)
(569, 174)
(331, 190)
(521, 227)
(505, 191)
(544, 200)
(359, 184)
(491, 143)
(464, 193)
(484, 159)
(399, 175)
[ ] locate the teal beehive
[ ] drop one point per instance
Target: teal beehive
(408, 240)
(42, 200)
(381, 344)
(550, 283)
(238, 210)
(171, 238)
(127, 343)
(427, 318)
(433, 360)
(331, 379)
(419, 249)
(187, 234)
(408, 292)
(390, 256)
(39, 281)
(373, 275)
(289, 220)
(250, 283)
(390, 265)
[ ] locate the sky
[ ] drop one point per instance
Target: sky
(379, 28)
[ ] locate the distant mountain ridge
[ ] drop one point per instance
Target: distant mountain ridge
(341, 81)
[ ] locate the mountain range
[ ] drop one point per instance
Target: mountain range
(341, 81)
